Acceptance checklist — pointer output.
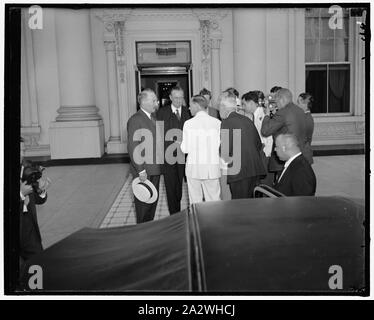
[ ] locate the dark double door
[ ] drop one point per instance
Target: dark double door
(162, 82)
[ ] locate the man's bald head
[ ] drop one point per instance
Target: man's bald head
(283, 97)
(286, 146)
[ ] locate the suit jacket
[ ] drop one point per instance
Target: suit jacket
(251, 147)
(30, 238)
(308, 154)
(201, 141)
(147, 129)
(290, 119)
(171, 121)
(213, 112)
(298, 179)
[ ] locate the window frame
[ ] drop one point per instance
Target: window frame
(327, 64)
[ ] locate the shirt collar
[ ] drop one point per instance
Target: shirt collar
(147, 113)
(258, 112)
(201, 112)
(174, 109)
(288, 162)
(231, 112)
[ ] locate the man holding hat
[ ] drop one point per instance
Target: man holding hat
(143, 150)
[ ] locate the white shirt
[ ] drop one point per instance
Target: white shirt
(201, 141)
(288, 162)
(174, 110)
(258, 117)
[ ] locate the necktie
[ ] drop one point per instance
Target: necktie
(153, 118)
(178, 115)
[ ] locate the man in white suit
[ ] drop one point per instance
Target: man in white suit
(201, 142)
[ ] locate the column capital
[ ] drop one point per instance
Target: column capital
(215, 38)
(113, 15)
(211, 15)
(215, 43)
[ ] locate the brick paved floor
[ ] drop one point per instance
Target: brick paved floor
(99, 196)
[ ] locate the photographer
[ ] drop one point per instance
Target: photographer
(288, 119)
(33, 191)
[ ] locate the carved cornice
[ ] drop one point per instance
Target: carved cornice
(214, 16)
(112, 15)
(150, 14)
(108, 17)
(173, 14)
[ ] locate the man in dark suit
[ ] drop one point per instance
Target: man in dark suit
(243, 179)
(143, 147)
(30, 238)
(297, 177)
(288, 119)
(174, 116)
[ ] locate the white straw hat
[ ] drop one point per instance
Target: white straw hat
(144, 191)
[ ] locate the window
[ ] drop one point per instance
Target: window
(327, 62)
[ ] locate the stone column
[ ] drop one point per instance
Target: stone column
(249, 31)
(78, 131)
(216, 38)
(211, 37)
(30, 128)
(114, 145)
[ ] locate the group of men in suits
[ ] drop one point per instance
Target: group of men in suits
(212, 146)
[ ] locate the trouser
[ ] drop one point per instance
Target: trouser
(243, 188)
(173, 177)
(146, 211)
(199, 189)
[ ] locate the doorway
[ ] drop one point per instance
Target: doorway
(162, 79)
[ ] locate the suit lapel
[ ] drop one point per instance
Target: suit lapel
(289, 170)
(145, 116)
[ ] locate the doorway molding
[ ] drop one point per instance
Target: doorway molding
(124, 27)
(158, 35)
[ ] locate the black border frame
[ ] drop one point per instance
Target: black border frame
(12, 136)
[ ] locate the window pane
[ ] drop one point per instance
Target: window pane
(327, 50)
(311, 50)
(341, 50)
(312, 12)
(327, 32)
(311, 28)
(344, 32)
(339, 88)
(316, 85)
